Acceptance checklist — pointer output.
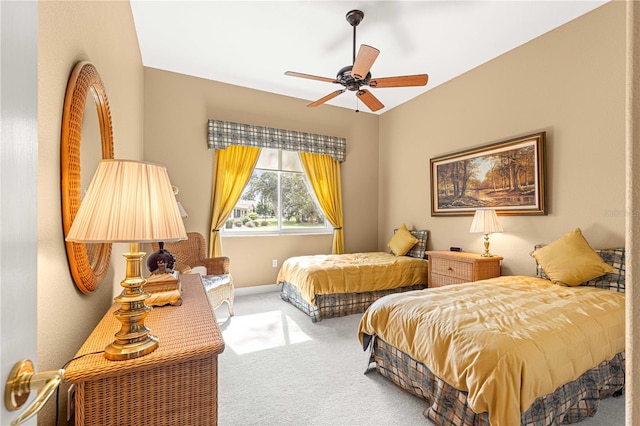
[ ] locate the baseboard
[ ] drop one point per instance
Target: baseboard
(245, 291)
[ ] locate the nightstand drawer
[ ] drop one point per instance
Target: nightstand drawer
(447, 268)
(437, 280)
(452, 269)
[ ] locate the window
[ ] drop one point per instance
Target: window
(277, 199)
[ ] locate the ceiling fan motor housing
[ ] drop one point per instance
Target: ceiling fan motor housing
(350, 82)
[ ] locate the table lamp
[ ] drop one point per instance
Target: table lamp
(486, 221)
(129, 201)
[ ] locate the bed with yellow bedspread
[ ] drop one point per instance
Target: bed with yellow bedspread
(324, 286)
(505, 341)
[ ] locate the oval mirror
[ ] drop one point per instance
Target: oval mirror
(88, 263)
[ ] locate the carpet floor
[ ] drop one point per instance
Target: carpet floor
(279, 368)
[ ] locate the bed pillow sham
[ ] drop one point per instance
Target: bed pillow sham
(420, 248)
(613, 280)
(570, 260)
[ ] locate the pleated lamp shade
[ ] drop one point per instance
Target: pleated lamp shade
(485, 221)
(128, 201)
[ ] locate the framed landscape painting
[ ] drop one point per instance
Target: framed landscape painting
(507, 176)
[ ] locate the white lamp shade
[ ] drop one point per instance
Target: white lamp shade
(128, 201)
(485, 221)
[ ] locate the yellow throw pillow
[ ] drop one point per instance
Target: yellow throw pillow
(402, 241)
(570, 260)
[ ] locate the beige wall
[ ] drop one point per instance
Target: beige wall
(570, 83)
(68, 32)
(177, 108)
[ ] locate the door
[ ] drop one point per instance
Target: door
(18, 188)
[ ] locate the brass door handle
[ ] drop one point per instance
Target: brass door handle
(21, 381)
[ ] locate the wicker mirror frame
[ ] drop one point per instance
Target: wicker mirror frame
(88, 267)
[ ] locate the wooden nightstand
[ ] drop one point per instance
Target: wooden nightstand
(450, 267)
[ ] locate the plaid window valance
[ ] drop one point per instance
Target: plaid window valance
(222, 134)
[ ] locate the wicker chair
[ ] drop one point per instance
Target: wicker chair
(191, 254)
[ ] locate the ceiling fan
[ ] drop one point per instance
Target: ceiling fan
(354, 77)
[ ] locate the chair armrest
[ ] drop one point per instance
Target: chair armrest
(183, 269)
(217, 265)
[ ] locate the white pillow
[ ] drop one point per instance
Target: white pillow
(202, 270)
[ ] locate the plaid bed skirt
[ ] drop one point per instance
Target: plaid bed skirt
(337, 305)
(570, 403)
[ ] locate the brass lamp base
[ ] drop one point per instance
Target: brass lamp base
(133, 340)
(486, 247)
(117, 351)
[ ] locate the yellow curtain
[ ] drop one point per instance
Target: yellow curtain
(324, 173)
(233, 168)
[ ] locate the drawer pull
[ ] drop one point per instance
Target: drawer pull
(450, 269)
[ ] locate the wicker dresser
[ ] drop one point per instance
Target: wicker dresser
(177, 384)
(449, 267)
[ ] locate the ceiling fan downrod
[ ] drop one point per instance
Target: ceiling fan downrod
(354, 17)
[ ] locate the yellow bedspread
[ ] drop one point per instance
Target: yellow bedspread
(351, 273)
(506, 341)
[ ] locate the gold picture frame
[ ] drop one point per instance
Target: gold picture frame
(508, 176)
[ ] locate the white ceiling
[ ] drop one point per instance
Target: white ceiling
(252, 43)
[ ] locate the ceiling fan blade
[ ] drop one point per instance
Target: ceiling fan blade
(365, 59)
(326, 98)
(311, 77)
(400, 81)
(369, 100)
